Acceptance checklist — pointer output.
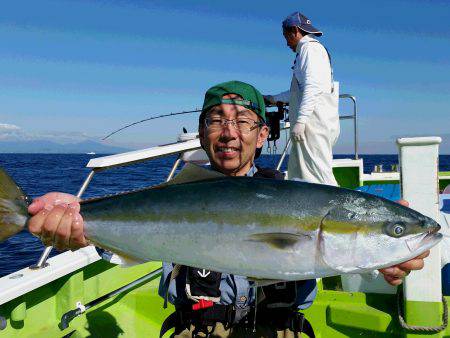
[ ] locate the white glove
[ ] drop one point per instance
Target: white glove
(298, 132)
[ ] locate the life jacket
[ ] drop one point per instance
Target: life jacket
(203, 289)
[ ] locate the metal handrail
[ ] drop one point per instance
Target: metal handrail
(70, 315)
(283, 155)
(355, 120)
(354, 117)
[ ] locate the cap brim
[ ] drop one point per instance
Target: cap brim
(311, 30)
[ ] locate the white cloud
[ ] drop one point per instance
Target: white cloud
(11, 132)
(6, 126)
(60, 137)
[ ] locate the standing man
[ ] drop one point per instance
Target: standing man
(313, 103)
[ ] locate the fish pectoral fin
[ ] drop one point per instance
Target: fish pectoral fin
(263, 282)
(193, 173)
(278, 240)
(124, 261)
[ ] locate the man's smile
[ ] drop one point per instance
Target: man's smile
(226, 151)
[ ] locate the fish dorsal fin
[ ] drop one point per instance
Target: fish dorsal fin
(193, 173)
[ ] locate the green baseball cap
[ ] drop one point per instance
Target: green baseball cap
(251, 97)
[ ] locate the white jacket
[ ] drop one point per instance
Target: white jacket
(312, 71)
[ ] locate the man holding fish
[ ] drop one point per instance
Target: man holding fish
(232, 130)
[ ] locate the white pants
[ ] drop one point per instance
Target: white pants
(312, 160)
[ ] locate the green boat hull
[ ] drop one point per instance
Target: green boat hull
(137, 313)
(140, 313)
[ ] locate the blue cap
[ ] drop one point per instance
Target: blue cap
(297, 19)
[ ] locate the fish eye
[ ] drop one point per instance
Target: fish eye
(399, 229)
(396, 229)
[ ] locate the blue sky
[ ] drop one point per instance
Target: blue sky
(71, 70)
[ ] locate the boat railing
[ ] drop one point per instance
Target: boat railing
(353, 117)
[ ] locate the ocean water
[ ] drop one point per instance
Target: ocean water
(41, 173)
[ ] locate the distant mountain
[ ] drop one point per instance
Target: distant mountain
(38, 146)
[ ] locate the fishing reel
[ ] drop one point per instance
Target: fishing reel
(273, 119)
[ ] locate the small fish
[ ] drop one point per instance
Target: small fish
(205, 219)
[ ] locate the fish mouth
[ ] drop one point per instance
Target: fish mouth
(424, 241)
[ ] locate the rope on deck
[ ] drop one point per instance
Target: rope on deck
(418, 328)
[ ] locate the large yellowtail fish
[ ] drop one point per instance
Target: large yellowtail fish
(255, 227)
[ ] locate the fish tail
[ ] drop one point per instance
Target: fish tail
(13, 207)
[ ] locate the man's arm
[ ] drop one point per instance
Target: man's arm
(307, 71)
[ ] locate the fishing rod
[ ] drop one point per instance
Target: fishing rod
(197, 110)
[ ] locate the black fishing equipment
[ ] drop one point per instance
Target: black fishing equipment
(203, 284)
(273, 120)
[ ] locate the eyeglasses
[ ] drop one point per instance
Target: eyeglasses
(242, 124)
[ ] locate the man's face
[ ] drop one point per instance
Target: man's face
(229, 150)
(292, 38)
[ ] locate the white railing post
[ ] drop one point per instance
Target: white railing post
(419, 158)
